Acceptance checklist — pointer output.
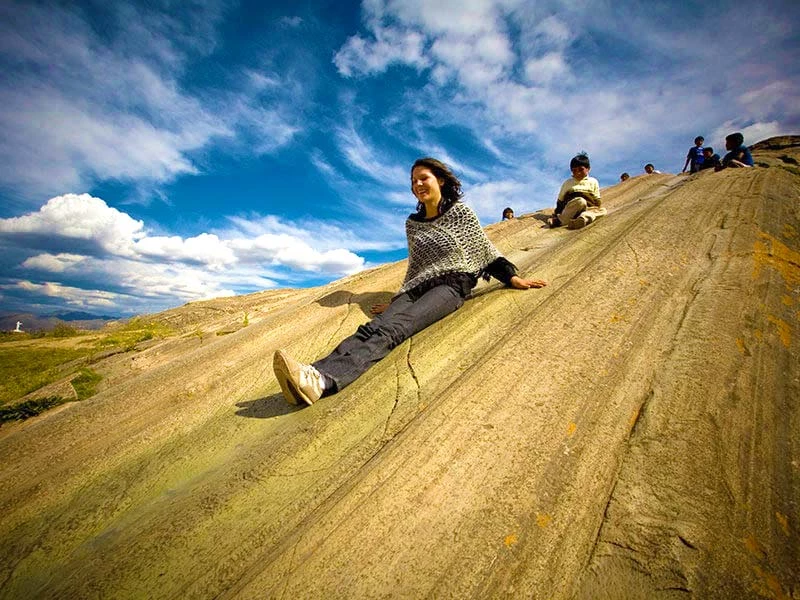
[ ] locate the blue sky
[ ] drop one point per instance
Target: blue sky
(157, 153)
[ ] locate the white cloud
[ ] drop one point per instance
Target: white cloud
(753, 133)
(79, 110)
(552, 32)
(55, 263)
(127, 263)
(205, 248)
(291, 21)
(289, 251)
(84, 108)
(82, 217)
(366, 158)
(546, 69)
(461, 17)
(391, 46)
(70, 295)
(771, 98)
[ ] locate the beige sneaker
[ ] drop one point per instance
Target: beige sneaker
(577, 223)
(299, 382)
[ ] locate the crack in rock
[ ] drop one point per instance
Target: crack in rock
(335, 334)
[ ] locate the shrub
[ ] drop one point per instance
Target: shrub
(62, 330)
(29, 408)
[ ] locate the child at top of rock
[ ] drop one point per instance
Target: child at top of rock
(695, 156)
(649, 168)
(738, 155)
(710, 160)
(578, 201)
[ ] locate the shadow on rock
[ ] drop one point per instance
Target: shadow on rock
(265, 408)
(364, 301)
(543, 217)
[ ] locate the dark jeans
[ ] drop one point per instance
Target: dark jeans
(372, 341)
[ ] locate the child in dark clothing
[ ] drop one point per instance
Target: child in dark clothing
(738, 155)
(710, 160)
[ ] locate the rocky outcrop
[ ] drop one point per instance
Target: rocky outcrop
(630, 431)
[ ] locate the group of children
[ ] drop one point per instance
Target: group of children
(700, 158)
(579, 204)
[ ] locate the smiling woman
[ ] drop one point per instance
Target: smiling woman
(447, 253)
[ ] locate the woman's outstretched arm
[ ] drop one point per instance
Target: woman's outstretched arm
(519, 283)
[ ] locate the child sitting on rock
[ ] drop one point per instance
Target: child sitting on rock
(579, 197)
(738, 155)
(710, 160)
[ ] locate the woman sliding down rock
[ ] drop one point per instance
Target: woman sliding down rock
(447, 253)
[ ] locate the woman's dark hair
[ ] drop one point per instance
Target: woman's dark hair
(580, 160)
(450, 188)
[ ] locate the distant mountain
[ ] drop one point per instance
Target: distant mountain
(76, 315)
(33, 322)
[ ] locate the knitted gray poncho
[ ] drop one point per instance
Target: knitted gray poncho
(451, 243)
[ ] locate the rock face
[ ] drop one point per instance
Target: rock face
(630, 431)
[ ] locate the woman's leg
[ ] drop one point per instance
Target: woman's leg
(374, 340)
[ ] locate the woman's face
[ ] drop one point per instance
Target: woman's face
(425, 187)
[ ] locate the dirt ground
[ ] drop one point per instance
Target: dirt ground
(630, 431)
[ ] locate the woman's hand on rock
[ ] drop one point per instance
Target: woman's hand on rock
(519, 283)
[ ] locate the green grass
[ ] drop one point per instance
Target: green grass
(27, 368)
(85, 384)
(8, 336)
(135, 331)
(24, 370)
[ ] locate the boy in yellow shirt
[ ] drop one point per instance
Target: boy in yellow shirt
(579, 197)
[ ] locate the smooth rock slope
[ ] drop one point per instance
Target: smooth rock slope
(630, 431)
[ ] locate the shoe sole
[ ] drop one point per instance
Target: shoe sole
(282, 373)
(577, 224)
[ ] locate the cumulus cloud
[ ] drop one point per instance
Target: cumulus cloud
(752, 133)
(292, 252)
(206, 249)
(55, 263)
(129, 262)
(70, 295)
(325, 235)
(83, 217)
